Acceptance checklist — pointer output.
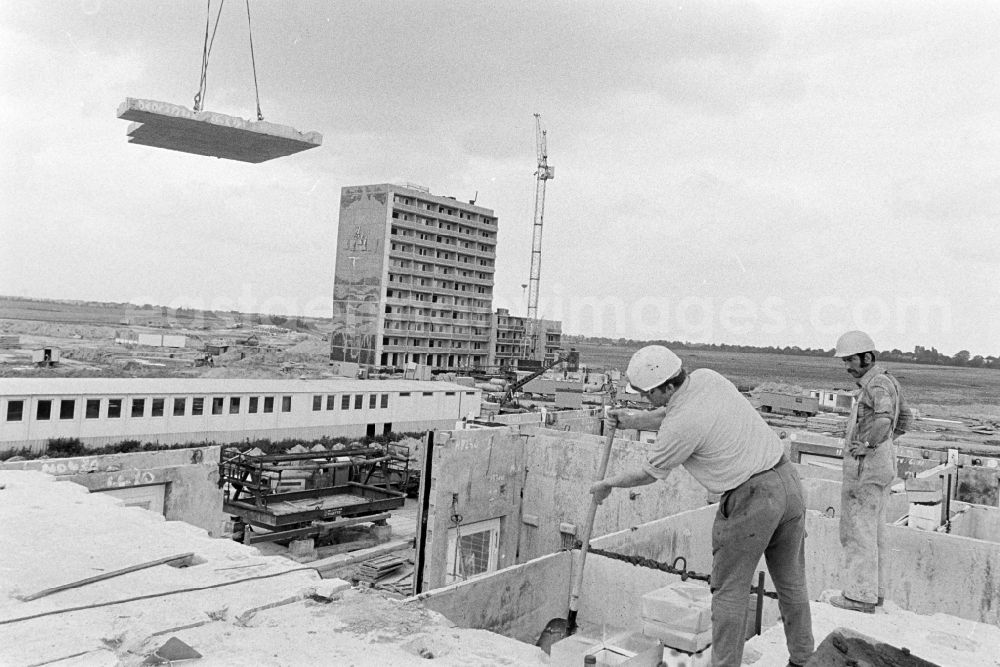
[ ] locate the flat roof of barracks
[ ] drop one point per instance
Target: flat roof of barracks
(104, 386)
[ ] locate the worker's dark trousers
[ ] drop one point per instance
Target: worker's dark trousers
(763, 516)
(864, 494)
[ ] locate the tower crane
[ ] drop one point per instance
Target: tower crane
(544, 173)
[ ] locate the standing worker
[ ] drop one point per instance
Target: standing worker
(869, 468)
(706, 425)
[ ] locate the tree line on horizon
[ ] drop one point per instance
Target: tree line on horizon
(920, 354)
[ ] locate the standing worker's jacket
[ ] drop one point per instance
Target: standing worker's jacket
(878, 396)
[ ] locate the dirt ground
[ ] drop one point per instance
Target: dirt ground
(86, 334)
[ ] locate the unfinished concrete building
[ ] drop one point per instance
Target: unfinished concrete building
(413, 279)
(499, 514)
(510, 339)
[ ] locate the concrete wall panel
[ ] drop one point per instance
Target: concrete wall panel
(480, 474)
(929, 573)
(476, 475)
(561, 467)
(822, 495)
(978, 522)
(191, 477)
(517, 602)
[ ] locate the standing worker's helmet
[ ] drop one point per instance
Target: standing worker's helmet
(651, 366)
(854, 342)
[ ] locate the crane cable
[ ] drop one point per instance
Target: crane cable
(206, 51)
(253, 62)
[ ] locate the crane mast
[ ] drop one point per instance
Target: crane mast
(544, 173)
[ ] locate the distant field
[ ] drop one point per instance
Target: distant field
(974, 388)
(113, 314)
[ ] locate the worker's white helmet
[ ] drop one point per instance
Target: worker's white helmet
(854, 342)
(651, 366)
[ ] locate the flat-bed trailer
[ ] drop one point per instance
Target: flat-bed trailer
(334, 490)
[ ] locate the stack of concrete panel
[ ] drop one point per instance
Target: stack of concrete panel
(924, 490)
(925, 496)
(679, 615)
(170, 126)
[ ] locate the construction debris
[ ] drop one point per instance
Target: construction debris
(844, 647)
(177, 128)
(173, 650)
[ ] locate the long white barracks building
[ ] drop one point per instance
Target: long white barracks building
(103, 411)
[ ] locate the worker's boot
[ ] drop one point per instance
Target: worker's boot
(852, 605)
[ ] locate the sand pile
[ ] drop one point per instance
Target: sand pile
(779, 387)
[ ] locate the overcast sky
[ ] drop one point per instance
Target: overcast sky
(761, 173)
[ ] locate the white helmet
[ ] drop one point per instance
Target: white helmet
(854, 342)
(651, 366)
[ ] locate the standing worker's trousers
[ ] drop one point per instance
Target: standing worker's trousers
(863, 498)
(763, 516)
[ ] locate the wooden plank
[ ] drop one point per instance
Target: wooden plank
(106, 575)
(173, 127)
(317, 528)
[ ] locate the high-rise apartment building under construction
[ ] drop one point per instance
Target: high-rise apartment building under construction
(413, 279)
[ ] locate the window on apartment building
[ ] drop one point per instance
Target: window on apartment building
(286, 403)
(359, 400)
(67, 407)
(138, 407)
(93, 408)
(114, 408)
(317, 403)
(385, 400)
(179, 405)
(234, 405)
(428, 393)
(252, 405)
(43, 410)
(197, 406)
(157, 407)
(269, 404)
(217, 404)
(403, 393)
(345, 402)
(331, 402)
(372, 401)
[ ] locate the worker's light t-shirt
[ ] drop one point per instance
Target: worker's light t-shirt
(713, 431)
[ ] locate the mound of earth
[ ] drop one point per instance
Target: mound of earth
(779, 387)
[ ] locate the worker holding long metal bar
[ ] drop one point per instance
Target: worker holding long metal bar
(869, 469)
(706, 425)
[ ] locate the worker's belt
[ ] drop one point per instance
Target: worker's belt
(782, 461)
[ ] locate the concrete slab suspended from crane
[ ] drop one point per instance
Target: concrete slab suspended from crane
(177, 128)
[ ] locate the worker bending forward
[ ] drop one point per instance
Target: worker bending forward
(706, 425)
(869, 468)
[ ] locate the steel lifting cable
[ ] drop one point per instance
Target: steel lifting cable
(206, 51)
(253, 62)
